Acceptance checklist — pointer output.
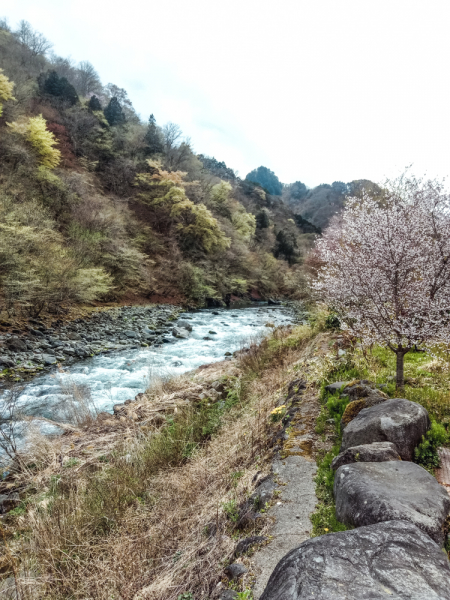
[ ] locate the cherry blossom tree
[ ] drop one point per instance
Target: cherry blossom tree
(385, 268)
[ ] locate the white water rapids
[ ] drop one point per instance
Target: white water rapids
(112, 378)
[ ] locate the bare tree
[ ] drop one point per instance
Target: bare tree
(176, 151)
(4, 24)
(65, 67)
(33, 40)
(88, 80)
(12, 428)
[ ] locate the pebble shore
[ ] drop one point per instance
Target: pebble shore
(23, 354)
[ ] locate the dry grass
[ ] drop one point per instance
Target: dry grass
(137, 528)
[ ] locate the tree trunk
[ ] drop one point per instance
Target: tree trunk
(400, 373)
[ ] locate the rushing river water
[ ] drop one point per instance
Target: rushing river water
(113, 378)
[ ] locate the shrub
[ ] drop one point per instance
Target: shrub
(42, 140)
(332, 322)
(426, 452)
(6, 88)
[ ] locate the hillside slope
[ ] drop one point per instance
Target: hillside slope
(96, 205)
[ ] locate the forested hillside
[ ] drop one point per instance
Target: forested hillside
(97, 205)
(319, 204)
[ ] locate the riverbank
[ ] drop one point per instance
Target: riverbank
(153, 488)
(39, 345)
(27, 352)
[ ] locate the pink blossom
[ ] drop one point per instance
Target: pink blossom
(386, 267)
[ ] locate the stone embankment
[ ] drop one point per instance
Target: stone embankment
(398, 509)
(39, 347)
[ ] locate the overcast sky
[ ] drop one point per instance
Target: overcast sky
(316, 90)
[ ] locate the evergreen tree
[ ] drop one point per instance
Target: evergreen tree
(57, 86)
(153, 138)
(94, 104)
(286, 245)
(262, 220)
(114, 113)
(267, 179)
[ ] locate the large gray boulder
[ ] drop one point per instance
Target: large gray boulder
(180, 332)
(368, 493)
(184, 324)
(375, 452)
(398, 421)
(392, 561)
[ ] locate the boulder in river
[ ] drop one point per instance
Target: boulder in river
(375, 452)
(393, 561)
(272, 302)
(184, 324)
(180, 332)
(369, 493)
(399, 421)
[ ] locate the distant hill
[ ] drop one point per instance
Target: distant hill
(319, 204)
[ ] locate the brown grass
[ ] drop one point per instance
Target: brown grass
(136, 529)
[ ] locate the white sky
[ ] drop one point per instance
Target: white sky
(316, 90)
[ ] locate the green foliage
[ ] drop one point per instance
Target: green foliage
(286, 245)
(267, 179)
(186, 596)
(231, 510)
(426, 452)
(332, 321)
(114, 113)
(57, 86)
(245, 595)
(42, 140)
(153, 138)
(6, 88)
(262, 220)
(94, 104)
(277, 414)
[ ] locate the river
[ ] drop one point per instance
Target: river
(112, 378)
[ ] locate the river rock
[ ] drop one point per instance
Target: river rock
(272, 302)
(16, 344)
(391, 561)
(368, 493)
(184, 324)
(6, 362)
(180, 332)
(131, 334)
(71, 335)
(376, 452)
(36, 333)
(48, 359)
(399, 421)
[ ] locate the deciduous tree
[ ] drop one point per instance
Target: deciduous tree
(40, 138)
(6, 88)
(386, 267)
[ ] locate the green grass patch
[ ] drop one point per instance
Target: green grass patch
(426, 382)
